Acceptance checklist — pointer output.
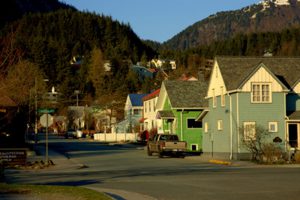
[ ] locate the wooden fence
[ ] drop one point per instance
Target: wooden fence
(116, 137)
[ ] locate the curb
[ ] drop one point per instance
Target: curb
(220, 162)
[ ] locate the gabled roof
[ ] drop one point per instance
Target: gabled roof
(151, 95)
(235, 70)
(186, 94)
(294, 115)
(136, 99)
(165, 114)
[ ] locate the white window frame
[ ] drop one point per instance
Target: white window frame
(206, 127)
(197, 146)
(275, 124)
(260, 95)
(249, 134)
(220, 125)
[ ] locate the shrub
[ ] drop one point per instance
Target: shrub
(262, 149)
(272, 153)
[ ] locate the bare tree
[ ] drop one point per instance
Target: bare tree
(259, 144)
(22, 82)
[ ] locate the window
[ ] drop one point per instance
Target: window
(261, 93)
(149, 106)
(214, 98)
(194, 147)
(145, 107)
(136, 111)
(222, 96)
(273, 127)
(205, 127)
(194, 124)
(249, 130)
(220, 125)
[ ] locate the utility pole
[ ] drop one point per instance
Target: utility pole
(35, 105)
(77, 93)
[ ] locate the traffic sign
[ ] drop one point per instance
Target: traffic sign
(46, 120)
(46, 110)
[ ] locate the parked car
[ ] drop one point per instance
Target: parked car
(79, 133)
(71, 133)
(166, 144)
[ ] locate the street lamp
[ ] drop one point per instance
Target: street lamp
(77, 93)
(36, 107)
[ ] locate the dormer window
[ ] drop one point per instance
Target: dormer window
(261, 93)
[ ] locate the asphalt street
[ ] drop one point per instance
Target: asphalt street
(126, 172)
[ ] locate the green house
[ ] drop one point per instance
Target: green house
(247, 92)
(178, 105)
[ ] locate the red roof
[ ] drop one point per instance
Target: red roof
(151, 95)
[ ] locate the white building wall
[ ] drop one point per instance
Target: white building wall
(216, 82)
(262, 76)
(150, 114)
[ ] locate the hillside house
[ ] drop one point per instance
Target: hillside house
(133, 110)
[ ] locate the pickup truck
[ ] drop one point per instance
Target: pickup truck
(166, 144)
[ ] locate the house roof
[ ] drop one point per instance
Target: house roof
(235, 70)
(151, 95)
(165, 114)
(186, 94)
(5, 101)
(136, 99)
(295, 115)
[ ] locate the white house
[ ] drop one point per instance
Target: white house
(149, 113)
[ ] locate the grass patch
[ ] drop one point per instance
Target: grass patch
(46, 192)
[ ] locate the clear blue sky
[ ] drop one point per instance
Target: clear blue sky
(158, 20)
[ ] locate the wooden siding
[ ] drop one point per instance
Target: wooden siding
(216, 82)
(193, 136)
(161, 98)
(214, 139)
(262, 76)
(241, 110)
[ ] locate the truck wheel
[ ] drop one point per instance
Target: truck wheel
(160, 154)
(149, 152)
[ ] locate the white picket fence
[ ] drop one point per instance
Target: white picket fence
(116, 137)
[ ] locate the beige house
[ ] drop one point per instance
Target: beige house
(149, 113)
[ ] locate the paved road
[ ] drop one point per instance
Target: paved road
(128, 173)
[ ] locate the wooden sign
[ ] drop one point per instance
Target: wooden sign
(13, 156)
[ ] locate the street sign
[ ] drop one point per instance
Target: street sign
(46, 120)
(46, 110)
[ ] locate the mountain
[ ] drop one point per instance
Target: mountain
(266, 16)
(11, 10)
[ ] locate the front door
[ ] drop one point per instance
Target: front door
(293, 135)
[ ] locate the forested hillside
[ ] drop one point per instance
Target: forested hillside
(11, 10)
(267, 16)
(51, 40)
